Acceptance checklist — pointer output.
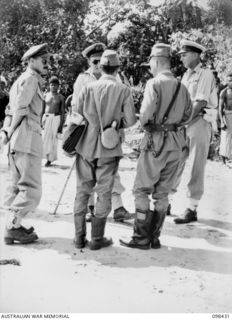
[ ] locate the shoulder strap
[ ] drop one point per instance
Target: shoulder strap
(98, 107)
(172, 101)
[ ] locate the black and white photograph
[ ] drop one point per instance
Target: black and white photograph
(116, 159)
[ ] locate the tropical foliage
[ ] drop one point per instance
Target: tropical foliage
(131, 27)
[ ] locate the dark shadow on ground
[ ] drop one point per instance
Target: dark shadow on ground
(203, 229)
(120, 257)
(217, 259)
(217, 224)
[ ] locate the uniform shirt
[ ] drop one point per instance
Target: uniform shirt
(26, 99)
(157, 97)
(201, 85)
(83, 79)
(116, 104)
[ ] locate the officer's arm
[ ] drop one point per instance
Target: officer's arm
(43, 111)
(16, 120)
(78, 85)
(198, 106)
(6, 125)
(188, 111)
(149, 103)
(25, 94)
(77, 109)
(205, 90)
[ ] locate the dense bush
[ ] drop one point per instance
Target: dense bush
(131, 27)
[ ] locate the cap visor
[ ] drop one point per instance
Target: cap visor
(145, 64)
(182, 51)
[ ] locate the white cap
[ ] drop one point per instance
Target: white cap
(191, 46)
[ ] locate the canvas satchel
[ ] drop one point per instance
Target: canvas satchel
(71, 137)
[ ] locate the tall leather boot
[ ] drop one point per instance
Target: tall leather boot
(98, 240)
(80, 231)
(157, 224)
(142, 231)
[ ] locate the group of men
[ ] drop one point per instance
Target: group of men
(176, 118)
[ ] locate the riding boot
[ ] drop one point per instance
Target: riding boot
(98, 240)
(157, 224)
(80, 231)
(142, 229)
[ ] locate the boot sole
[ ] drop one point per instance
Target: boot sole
(80, 245)
(142, 247)
(11, 241)
(98, 246)
(156, 247)
(184, 222)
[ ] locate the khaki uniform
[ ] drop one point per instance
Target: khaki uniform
(82, 80)
(25, 153)
(156, 176)
(96, 165)
(201, 85)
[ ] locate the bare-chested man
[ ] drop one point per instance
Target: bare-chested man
(225, 114)
(52, 120)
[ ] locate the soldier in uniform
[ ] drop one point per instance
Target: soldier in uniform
(93, 54)
(161, 148)
(201, 85)
(23, 132)
(225, 114)
(96, 165)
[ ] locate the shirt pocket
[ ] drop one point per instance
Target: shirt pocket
(33, 126)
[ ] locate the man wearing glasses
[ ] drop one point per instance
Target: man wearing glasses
(93, 54)
(201, 85)
(22, 131)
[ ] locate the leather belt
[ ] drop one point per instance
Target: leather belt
(160, 127)
(55, 114)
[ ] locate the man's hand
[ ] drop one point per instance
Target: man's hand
(3, 137)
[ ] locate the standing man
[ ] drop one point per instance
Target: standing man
(201, 85)
(93, 54)
(23, 132)
(165, 108)
(225, 114)
(52, 120)
(100, 103)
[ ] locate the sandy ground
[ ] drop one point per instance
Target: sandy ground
(191, 273)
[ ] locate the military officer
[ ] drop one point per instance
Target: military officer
(201, 85)
(23, 132)
(93, 54)
(161, 148)
(101, 103)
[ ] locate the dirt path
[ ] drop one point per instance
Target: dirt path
(191, 272)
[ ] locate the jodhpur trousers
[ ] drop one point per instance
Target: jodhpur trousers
(155, 176)
(24, 193)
